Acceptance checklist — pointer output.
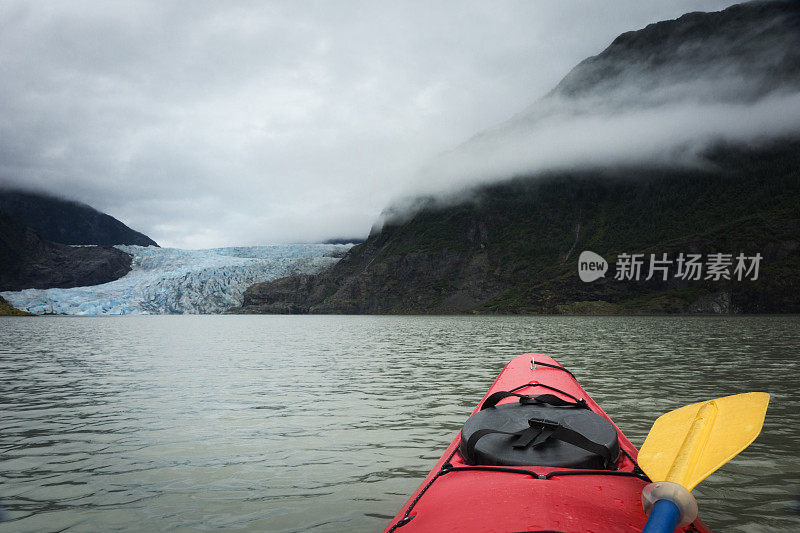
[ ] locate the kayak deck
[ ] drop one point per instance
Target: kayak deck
(459, 497)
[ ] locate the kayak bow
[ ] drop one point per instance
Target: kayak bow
(537, 454)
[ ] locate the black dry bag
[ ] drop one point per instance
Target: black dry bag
(542, 430)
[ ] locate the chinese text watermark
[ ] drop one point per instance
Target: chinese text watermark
(688, 267)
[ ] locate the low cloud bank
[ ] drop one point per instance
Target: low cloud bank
(673, 134)
(660, 96)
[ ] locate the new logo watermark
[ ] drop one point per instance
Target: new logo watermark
(690, 267)
(591, 266)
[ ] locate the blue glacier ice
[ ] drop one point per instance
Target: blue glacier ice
(171, 280)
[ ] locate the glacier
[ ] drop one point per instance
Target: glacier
(177, 281)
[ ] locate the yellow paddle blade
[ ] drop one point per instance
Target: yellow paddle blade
(687, 445)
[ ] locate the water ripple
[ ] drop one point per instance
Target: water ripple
(329, 423)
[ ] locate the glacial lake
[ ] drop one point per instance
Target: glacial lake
(328, 423)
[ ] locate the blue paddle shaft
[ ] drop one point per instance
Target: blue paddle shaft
(663, 518)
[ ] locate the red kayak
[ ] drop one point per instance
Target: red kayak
(537, 454)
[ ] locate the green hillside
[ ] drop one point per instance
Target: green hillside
(7, 309)
(513, 247)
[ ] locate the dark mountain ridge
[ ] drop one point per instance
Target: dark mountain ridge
(658, 96)
(28, 261)
(68, 222)
(512, 247)
(754, 44)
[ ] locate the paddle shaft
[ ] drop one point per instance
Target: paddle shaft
(663, 518)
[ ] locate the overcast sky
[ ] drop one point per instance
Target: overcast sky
(231, 123)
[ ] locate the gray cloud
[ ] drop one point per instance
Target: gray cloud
(210, 123)
(674, 134)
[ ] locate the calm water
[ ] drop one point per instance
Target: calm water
(284, 423)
